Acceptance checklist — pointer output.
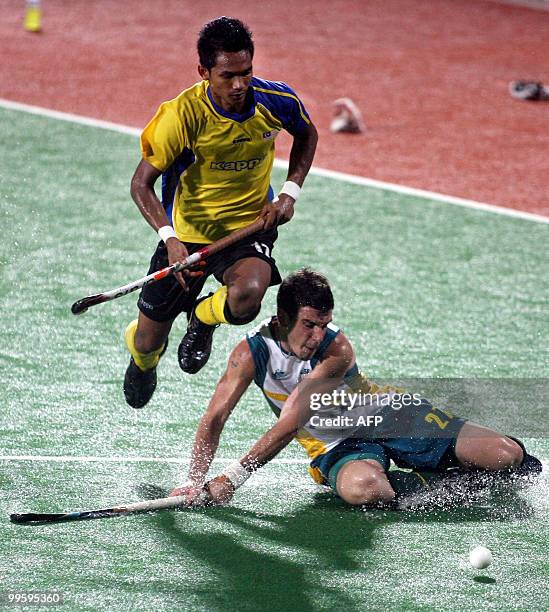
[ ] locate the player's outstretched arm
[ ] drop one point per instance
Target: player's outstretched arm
(325, 378)
(302, 154)
(301, 159)
(230, 388)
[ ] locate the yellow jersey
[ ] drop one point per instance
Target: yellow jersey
(216, 165)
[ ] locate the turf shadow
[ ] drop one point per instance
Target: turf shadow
(243, 552)
(272, 561)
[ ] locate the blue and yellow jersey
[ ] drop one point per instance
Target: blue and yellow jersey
(216, 165)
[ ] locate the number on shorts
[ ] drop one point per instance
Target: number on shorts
(262, 248)
(433, 417)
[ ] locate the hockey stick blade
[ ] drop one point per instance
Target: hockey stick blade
(162, 503)
(81, 306)
(37, 518)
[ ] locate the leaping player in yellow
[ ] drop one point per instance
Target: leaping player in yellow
(213, 145)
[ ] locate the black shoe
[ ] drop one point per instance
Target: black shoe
(476, 480)
(529, 468)
(196, 345)
(139, 386)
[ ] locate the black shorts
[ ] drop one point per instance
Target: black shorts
(165, 299)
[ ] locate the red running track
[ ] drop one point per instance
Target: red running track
(430, 77)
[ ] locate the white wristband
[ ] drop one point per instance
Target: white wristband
(165, 232)
(292, 189)
(236, 473)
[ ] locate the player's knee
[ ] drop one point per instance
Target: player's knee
(147, 342)
(505, 454)
(244, 301)
(359, 483)
(511, 453)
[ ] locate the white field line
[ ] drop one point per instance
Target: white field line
(121, 459)
(163, 460)
(53, 114)
(338, 176)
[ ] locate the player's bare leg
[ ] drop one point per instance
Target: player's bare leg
(364, 482)
(237, 302)
(481, 447)
(151, 335)
(247, 281)
(146, 340)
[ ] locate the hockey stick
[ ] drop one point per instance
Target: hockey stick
(82, 305)
(163, 503)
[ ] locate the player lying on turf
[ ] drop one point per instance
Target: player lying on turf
(299, 360)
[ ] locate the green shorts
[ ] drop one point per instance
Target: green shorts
(423, 449)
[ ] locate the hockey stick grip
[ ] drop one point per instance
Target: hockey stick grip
(232, 238)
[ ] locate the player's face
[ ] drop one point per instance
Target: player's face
(229, 79)
(308, 331)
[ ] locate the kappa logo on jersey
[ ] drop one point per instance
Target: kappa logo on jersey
(238, 166)
(280, 375)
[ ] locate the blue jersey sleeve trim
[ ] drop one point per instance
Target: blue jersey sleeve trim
(170, 179)
(260, 354)
(281, 100)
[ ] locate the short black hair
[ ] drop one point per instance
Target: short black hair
(220, 35)
(304, 288)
